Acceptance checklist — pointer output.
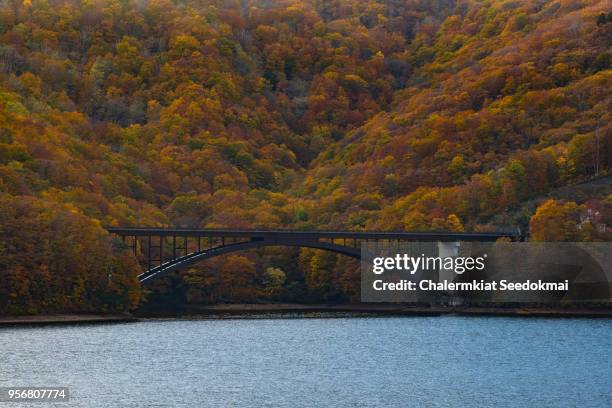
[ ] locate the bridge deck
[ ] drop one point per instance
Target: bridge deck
(296, 234)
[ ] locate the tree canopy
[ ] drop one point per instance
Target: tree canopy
(362, 114)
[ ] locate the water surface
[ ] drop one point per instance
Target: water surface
(447, 361)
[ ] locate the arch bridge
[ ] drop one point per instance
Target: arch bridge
(163, 250)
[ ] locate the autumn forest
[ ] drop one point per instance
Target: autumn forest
(406, 115)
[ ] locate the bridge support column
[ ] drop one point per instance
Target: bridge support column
(149, 252)
(174, 247)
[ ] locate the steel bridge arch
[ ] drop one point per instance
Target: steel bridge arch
(195, 257)
(348, 243)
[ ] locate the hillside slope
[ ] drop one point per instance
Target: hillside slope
(507, 101)
(408, 115)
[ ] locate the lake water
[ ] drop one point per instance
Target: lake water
(343, 362)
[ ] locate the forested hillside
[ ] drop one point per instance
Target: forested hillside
(312, 114)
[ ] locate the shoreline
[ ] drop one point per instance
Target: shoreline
(301, 310)
(65, 319)
(286, 311)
